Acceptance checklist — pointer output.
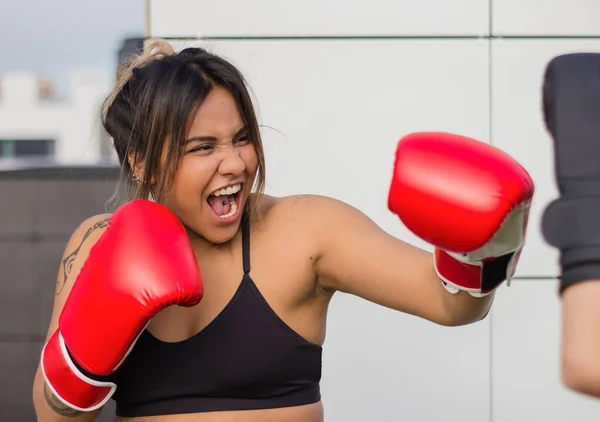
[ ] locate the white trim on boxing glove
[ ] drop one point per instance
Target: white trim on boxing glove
(454, 288)
(75, 371)
(118, 365)
(510, 238)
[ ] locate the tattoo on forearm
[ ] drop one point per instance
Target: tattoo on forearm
(67, 263)
(58, 406)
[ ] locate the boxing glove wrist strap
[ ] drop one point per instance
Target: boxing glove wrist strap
(582, 229)
(478, 278)
(579, 265)
(80, 369)
(579, 241)
(68, 383)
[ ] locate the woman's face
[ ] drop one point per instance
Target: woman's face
(217, 171)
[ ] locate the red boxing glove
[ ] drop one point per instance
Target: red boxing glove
(142, 263)
(468, 199)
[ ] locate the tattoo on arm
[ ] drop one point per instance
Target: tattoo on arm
(58, 406)
(67, 263)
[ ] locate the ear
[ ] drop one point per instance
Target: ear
(136, 165)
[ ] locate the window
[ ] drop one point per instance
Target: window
(24, 148)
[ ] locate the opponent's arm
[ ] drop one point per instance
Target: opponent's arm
(47, 407)
(570, 223)
(581, 337)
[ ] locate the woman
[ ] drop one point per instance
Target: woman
(188, 140)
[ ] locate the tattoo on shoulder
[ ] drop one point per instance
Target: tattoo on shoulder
(67, 263)
(58, 406)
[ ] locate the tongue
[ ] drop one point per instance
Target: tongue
(216, 203)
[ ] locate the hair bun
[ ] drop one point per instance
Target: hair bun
(153, 51)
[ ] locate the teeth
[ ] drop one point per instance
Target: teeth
(229, 190)
(233, 208)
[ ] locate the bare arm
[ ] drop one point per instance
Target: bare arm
(358, 257)
(47, 407)
(581, 337)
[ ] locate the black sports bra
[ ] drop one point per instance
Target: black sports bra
(246, 358)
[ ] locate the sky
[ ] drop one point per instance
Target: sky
(52, 37)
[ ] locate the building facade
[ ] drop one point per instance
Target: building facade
(36, 124)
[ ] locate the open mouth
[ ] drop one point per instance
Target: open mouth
(226, 201)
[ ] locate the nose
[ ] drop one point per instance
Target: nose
(232, 162)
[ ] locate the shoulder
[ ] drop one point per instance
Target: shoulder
(80, 243)
(316, 213)
(302, 205)
(75, 253)
(90, 229)
(87, 232)
(316, 207)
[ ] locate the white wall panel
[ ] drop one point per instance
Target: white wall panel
(526, 385)
(193, 18)
(518, 128)
(380, 365)
(556, 17)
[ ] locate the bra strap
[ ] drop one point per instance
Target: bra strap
(246, 242)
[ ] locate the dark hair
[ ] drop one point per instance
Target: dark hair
(155, 99)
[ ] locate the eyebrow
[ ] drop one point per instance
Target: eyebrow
(213, 138)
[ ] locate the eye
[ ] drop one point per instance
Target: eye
(201, 148)
(242, 140)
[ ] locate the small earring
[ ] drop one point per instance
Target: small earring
(135, 178)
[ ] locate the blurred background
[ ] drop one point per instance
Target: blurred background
(57, 166)
(336, 84)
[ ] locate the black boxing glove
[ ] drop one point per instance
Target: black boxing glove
(571, 107)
